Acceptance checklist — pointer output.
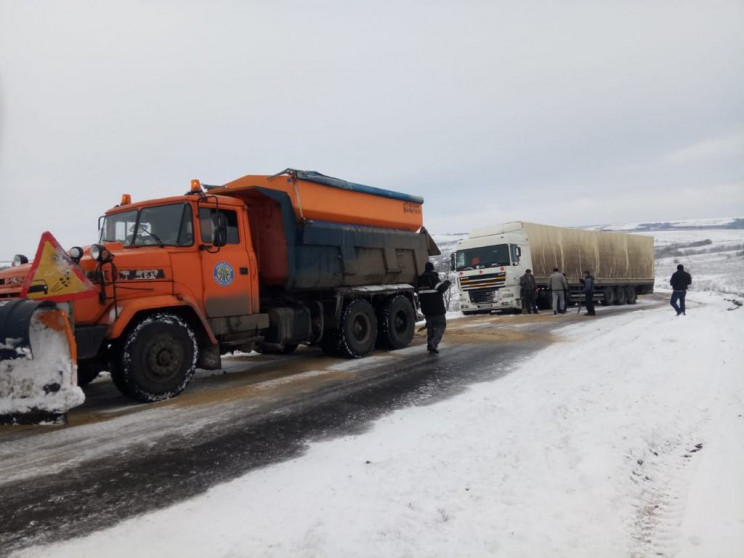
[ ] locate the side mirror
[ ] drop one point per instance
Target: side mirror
(220, 231)
(453, 259)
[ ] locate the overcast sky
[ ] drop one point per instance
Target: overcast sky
(567, 113)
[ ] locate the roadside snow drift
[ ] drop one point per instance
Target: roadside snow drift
(39, 382)
(624, 439)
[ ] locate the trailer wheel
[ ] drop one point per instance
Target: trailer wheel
(157, 359)
(609, 296)
(397, 322)
(621, 295)
(631, 294)
(358, 330)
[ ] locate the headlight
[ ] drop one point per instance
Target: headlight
(76, 253)
(96, 251)
(100, 254)
(19, 259)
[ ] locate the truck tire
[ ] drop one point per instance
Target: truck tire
(609, 296)
(631, 295)
(397, 321)
(157, 359)
(621, 295)
(357, 333)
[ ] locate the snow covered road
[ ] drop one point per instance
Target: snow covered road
(625, 439)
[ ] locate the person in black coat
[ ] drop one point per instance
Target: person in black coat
(588, 285)
(431, 297)
(680, 281)
(528, 286)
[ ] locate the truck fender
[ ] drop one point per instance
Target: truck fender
(128, 311)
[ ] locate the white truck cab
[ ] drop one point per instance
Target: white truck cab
(488, 265)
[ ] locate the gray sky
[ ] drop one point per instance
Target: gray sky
(566, 113)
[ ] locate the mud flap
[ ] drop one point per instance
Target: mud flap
(38, 368)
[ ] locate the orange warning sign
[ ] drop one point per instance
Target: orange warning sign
(54, 276)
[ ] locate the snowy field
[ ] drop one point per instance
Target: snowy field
(624, 438)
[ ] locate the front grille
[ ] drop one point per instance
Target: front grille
(482, 295)
(484, 280)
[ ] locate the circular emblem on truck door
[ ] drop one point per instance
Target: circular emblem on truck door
(223, 273)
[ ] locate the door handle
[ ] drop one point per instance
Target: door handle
(244, 271)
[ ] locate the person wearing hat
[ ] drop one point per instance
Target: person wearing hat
(528, 286)
(680, 281)
(431, 297)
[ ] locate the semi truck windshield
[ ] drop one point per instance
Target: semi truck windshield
(486, 256)
(163, 225)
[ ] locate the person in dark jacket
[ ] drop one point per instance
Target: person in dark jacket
(431, 297)
(528, 286)
(588, 285)
(680, 281)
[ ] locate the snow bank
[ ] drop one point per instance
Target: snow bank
(625, 439)
(41, 383)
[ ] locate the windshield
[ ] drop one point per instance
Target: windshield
(486, 256)
(163, 225)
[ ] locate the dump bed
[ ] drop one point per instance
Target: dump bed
(313, 235)
(611, 257)
(315, 196)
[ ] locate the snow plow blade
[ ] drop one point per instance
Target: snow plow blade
(38, 368)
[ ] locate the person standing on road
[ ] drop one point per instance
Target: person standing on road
(587, 284)
(431, 296)
(558, 286)
(566, 298)
(680, 281)
(528, 286)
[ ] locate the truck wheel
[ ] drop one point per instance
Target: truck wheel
(620, 295)
(609, 296)
(358, 331)
(397, 322)
(631, 295)
(157, 360)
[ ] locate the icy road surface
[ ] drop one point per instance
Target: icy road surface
(621, 436)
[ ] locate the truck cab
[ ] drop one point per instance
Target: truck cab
(488, 266)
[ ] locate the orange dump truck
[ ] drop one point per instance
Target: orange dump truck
(265, 262)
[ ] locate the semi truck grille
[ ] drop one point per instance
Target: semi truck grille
(482, 295)
(481, 281)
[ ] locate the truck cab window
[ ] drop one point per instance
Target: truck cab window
(516, 252)
(165, 225)
(119, 227)
(162, 225)
(483, 257)
(208, 218)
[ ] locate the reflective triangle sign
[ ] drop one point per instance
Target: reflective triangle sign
(54, 276)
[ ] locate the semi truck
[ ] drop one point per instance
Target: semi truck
(262, 262)
(490, 261)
